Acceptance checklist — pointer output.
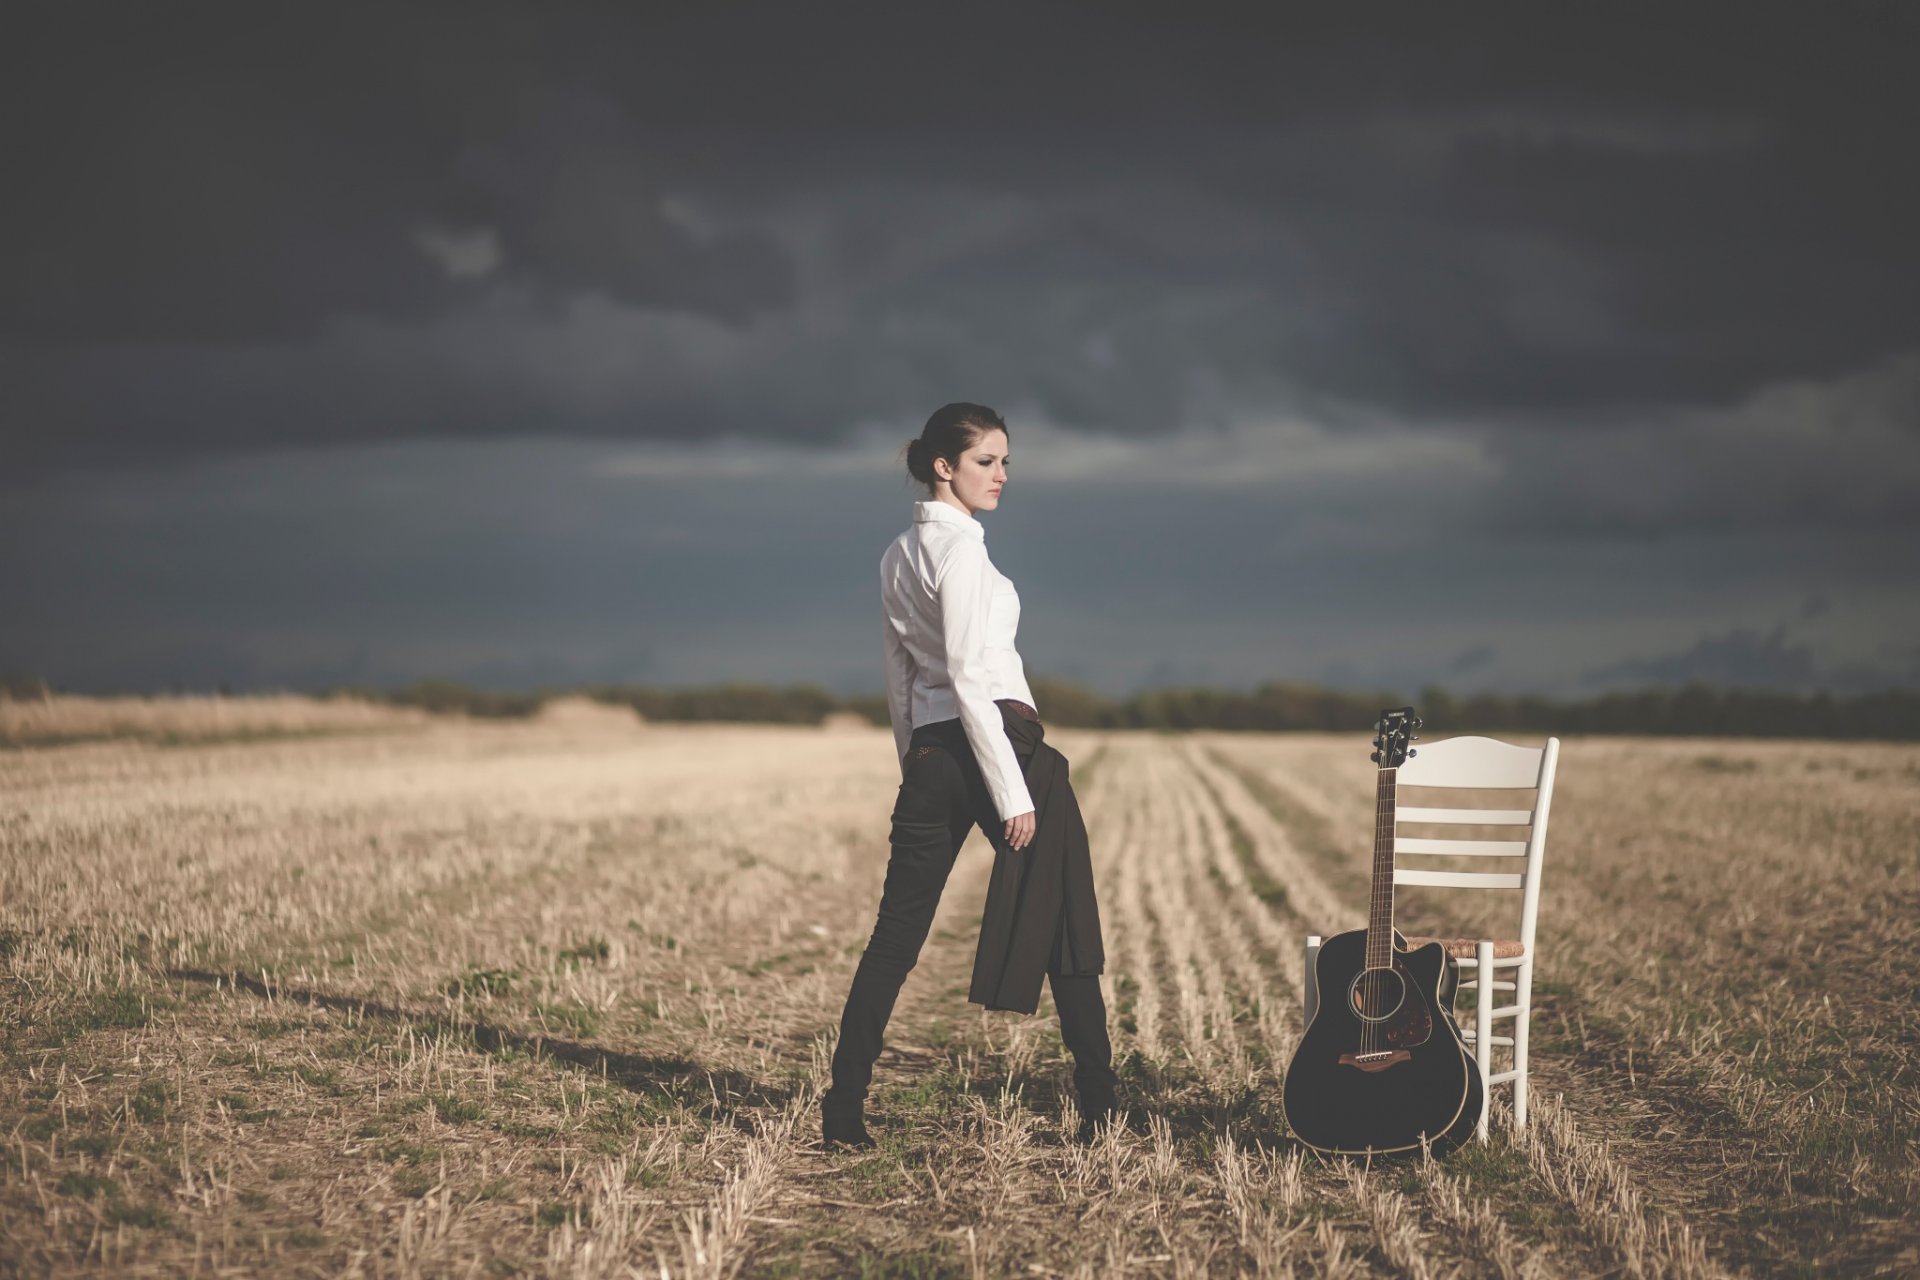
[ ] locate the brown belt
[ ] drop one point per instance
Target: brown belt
(1018, 708)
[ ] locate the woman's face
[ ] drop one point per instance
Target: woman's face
(981, 472)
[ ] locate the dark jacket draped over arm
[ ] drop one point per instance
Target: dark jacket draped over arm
(1040, 914)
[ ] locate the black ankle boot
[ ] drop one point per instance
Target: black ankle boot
(843, 1125)
(1096, 1109)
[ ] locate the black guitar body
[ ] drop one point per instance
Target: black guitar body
(1360, 1087)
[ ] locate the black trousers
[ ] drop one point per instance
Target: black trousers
(942, 797)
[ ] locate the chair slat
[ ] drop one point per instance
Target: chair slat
(1472, 762)
(1459, 879)
(1470, 848)
(1466, 817)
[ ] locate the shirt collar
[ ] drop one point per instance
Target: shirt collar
(944, 513)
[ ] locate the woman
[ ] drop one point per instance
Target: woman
(972, 751)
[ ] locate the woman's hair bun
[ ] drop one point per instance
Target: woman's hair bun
(919, 461)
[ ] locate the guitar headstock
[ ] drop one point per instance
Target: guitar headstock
(1393, 736)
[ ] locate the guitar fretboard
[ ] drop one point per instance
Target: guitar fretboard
(1380, 908)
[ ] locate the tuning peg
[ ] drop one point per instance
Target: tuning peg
(1411, 754)
(1375, 757)
(1413, 737)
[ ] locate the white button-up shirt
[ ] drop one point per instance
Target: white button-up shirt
(950, 623)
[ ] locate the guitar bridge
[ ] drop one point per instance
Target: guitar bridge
(1378, 1060)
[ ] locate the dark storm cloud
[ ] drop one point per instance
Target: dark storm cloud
(1751, 659)
(1742, 658)
(1840, 454)
(1468, 660)
(202, 174)
(249, 226)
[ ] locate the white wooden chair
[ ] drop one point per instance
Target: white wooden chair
(1480, 764)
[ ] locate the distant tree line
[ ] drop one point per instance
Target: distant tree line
(1693, 710)
(737, 700)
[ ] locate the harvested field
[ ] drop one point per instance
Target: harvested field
(555, 997)
(68, 717)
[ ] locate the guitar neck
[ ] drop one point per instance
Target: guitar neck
(1380, 909)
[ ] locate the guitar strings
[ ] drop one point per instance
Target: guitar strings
(1373, 984)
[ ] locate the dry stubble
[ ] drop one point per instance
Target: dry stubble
(555, 998)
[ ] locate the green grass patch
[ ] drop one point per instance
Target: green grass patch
(768, 965)
(935, 1262)
(878, 1178)
(478, 981)
(594, 950)
(930, 1096)
(138, 1215)
(122, 1008)
(456, 1110)
(617, 1111)
(1489, 1166)
(89, 1144)
(273, 1028)
(407, 1153)
(414, 1183)
(326, 1079)
(119, 1009)
(150, 1103)
(576, 1020)
(244, 1113)
(86, 1186)
(525, 1129)
(1725, 764)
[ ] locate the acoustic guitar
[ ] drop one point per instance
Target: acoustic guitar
(1382, 1067)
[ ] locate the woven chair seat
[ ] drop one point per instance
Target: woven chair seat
(1469, 948)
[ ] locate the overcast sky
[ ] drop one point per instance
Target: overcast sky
(1508, 347)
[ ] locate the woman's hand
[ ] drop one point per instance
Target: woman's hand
(1020, 830)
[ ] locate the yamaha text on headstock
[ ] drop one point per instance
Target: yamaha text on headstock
(1382, 1067)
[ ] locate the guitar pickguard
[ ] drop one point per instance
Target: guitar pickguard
(1412, 1023)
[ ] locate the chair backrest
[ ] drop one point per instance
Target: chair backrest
(1480, 764)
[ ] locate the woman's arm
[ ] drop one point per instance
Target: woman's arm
(964, 585)
(899, 687)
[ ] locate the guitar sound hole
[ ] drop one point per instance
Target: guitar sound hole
(1376, 994)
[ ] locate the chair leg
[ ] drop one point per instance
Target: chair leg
(1483, 1030)
(1523, 991)
(1310, 979)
